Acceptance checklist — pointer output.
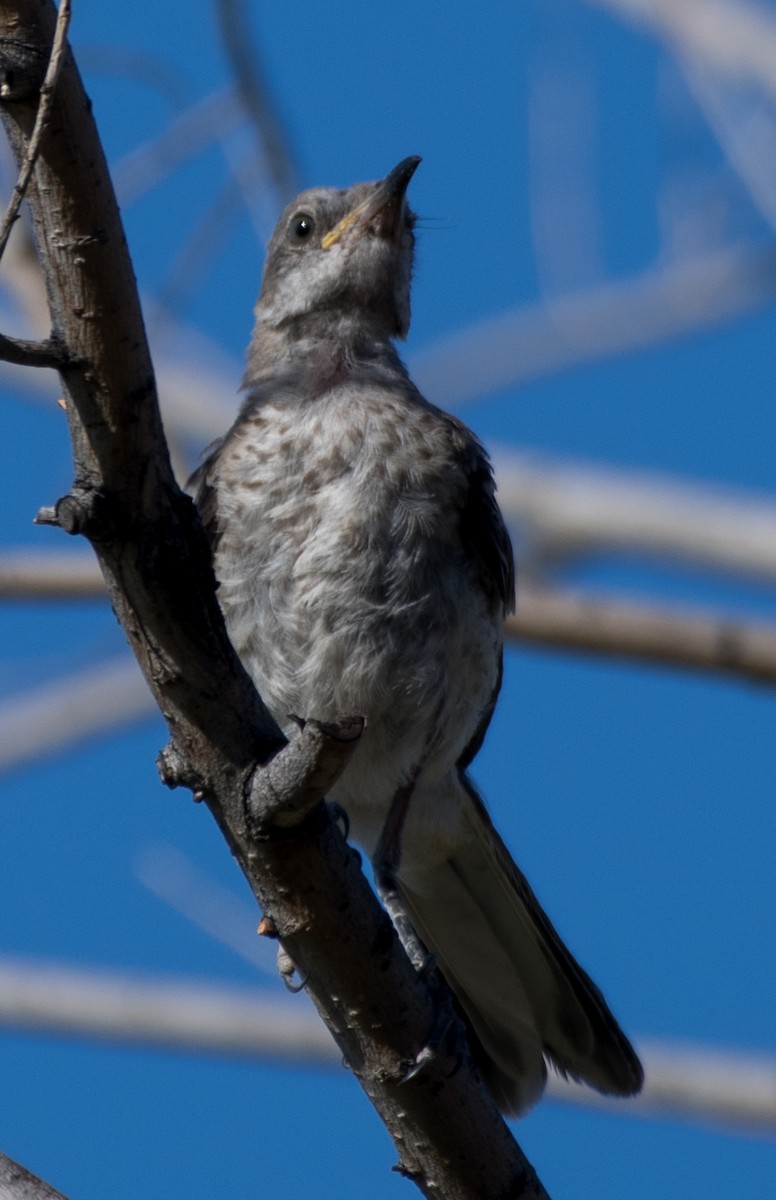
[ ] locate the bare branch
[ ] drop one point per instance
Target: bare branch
(47, 89)
(17, 1183)
(57, 715)
(31, 354)
(648, 634)
(664, 303)
(53, 575)
(738, 38)
(113, 694)
(192, 131)
(257, 101)
(564, 509)
(216, 910)
(725, 1087)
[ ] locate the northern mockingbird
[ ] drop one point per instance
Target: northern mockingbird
(364, 567)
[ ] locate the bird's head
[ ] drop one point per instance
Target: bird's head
(336, 255)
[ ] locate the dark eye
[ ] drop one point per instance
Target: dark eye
(301, 228)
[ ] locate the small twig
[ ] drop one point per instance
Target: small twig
(31, 354)
(47, 90)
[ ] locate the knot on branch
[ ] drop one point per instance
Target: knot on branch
(22, 69)
(85, 510)
(281, 794)
(176, 771)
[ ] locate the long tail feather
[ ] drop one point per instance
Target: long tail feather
(524, 995)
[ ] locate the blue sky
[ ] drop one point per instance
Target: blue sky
(640, 802)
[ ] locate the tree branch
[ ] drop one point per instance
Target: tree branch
(258, 105)
(540, 340)
(17, 1183)
(450, 1138)
(31, 354)
(649, 634)
(47, 89)
(728, 1087)
(736, 39)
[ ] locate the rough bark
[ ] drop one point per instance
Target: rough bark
(17, 1183)
(450, 1139)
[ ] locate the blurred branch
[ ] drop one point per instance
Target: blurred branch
(216, 910)
(112, 694)
(533, 342)
(17, 1183)
(567, 509)
(735, 37)
(273, 139)
(57, 715)
(507, 350)
(202, 246)
(50, 575)
(648, 634)
(144, 67)
(705, 1083)
(747, 138)
(690, 1082)
(190, 133)
(170, 1013)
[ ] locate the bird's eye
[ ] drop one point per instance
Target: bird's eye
(301, 228)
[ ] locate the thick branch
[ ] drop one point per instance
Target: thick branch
(17, 1183)
(450, 1138)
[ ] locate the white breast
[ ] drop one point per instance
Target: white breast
(344, 583)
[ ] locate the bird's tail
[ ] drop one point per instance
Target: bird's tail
(526, 999)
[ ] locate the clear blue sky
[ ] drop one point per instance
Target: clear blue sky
(640, 802)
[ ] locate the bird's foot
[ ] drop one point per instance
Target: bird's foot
(445, 1032)
(393, 903)
(287, 970)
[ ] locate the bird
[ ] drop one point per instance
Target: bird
(364, 567)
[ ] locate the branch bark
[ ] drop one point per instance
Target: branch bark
(153, 555)
(17, 1183)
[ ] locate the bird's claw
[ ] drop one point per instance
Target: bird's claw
(444, 1025)
(287, 971)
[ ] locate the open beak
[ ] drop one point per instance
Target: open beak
(384, 201)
